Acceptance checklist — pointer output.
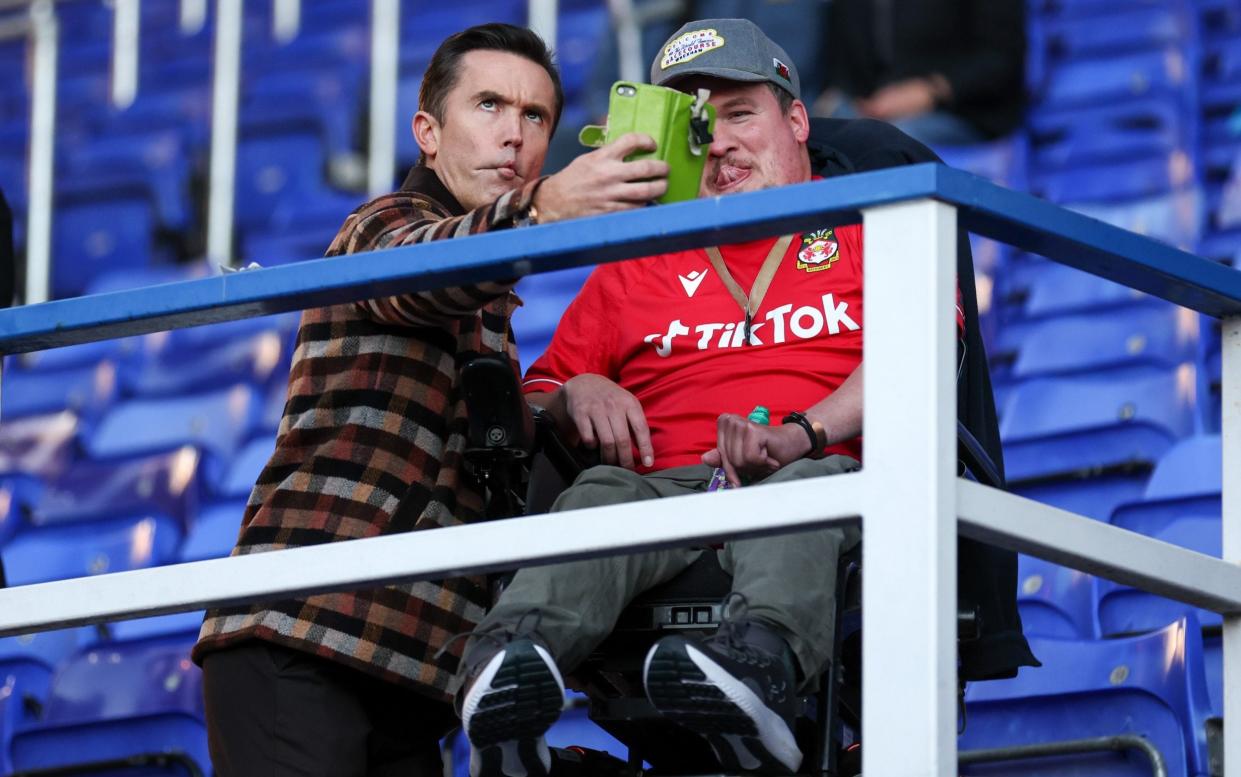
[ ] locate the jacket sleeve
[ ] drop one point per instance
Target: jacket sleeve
(407, 218)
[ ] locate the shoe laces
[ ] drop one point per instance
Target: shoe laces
(500, 638)
(731, 634)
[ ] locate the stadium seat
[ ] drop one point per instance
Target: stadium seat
(1127, 76)
(118, 702)
(245, 468)
(74, 356)
(545, 297)
(1107, 133)
(1147, 176)
(1155, 336)
(278, 157)
(24, 685)
(1174, 218)
(1186, 483)
(1121, 30)
(86, 391)
(215, 422)
(90, 547)
(214, 533)
(1055, 602)
(1151, 686)
(40, 446)
(1054, 426)
(100, 224)
(179, 368)
(166, 483)
(1058, 290)
(156, 159)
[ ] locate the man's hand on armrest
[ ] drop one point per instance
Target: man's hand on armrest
(603, 415)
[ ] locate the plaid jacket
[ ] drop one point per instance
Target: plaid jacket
(371, 443)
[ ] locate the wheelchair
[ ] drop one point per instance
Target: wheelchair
(523, 463)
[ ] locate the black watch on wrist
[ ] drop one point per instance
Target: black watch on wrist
(814, 430)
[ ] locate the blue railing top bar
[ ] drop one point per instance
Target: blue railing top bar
(984, 208)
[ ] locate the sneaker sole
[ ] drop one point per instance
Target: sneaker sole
(688, 687)
(520, 694)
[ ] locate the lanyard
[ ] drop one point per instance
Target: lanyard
(750, 303)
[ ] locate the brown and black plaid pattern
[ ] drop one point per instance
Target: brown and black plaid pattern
(371, 443)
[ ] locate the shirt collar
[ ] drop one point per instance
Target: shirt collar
(423, 180)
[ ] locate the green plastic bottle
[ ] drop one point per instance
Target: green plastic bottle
(719, 479)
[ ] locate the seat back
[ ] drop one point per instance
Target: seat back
(1152, 686)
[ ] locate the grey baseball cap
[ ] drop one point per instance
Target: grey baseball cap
(735, 49)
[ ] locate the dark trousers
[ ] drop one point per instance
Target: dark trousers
(272, 711)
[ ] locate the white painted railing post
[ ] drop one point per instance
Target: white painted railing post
(1230, 438)
(909, 678)
(385, 77)
(226, 85)
(45, 37)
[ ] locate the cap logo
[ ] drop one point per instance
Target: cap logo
(782, 70)
(685, 47)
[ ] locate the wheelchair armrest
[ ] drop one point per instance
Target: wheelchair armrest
(501, 424)
(978, 463)
(567, 460)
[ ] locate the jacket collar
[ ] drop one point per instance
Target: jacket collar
(423, 180)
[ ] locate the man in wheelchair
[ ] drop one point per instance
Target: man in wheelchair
(655, 364)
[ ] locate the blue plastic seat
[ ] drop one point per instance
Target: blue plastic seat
(157, 159)
(1002, 161)
(1161, 337)
(1058, 290)
(1126, 76)
(276, 162)
(1147, 176)
(1054, 602)
(1059, 426)
(545, 297)
(39, 446)
(1185, 484)
(256, 358)
(75, 356)
(1151, 686)
(214, 422)
(1094, 496)
(272, 250)
(214, 532)
(1122, 30)
(167, 483)
(245, 468)
(86, 391)
(104, 225)
(1096, 134)
(117, 701)
(1175, 218)
(90, 547)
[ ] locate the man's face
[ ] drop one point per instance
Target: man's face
(756, 146)
(497, 124)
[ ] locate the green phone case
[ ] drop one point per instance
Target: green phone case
(680, 123)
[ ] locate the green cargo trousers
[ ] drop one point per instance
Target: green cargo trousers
(788, 580)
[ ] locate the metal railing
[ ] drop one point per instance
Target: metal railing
(910, 504)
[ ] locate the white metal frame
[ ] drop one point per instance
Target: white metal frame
(910, 503)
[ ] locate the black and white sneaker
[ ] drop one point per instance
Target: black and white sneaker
(740, 697)
(516, 696)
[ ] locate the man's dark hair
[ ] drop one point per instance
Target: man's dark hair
(445, 66)
(783, 96)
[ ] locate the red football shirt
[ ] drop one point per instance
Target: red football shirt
(666, 329)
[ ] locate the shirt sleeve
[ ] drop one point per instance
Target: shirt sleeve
(406, 218)
(584, 339)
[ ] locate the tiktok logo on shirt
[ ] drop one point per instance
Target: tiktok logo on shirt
(804, 323)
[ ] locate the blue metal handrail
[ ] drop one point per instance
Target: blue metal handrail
(1012, 217)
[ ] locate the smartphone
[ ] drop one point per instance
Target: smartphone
(680, 123)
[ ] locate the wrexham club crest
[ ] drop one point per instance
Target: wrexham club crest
(819, 251)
